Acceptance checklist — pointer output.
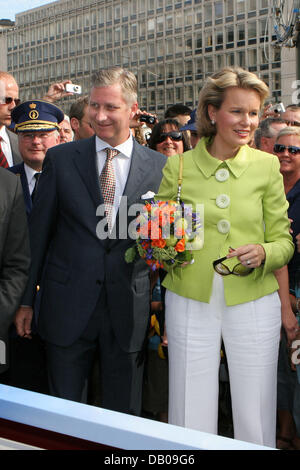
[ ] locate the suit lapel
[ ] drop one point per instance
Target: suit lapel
(138, 169)
(19, 170)
(26, 192)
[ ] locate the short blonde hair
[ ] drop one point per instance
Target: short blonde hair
(213, 93)
(113, 75)
(288, 130)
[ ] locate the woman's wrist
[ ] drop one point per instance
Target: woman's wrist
(263, 254)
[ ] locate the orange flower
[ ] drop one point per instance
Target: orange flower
(160, 243)
(180, 245)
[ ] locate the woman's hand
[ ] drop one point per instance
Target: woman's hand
(290, 324)
(164, 338)
(249, 255)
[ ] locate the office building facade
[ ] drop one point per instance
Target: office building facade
(171, 45)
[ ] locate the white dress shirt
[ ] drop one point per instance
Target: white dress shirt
(30, 172)
(121, 164)
(5, 145)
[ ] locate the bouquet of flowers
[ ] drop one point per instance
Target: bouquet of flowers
(166, 235)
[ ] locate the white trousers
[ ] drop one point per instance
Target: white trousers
(251, 333)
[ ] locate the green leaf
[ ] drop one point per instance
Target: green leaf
(130, 254)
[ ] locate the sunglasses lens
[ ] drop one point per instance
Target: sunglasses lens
(9, 100)
(279, 148)
(176, 135)
(294, 150)
(242, 270)
(220, 268)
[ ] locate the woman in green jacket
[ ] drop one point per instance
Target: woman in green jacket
(235, 298)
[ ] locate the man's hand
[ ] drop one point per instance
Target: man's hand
(57, 92)
(22, 321)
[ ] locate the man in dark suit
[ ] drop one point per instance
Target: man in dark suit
(90, 296)
(14, 256)
(9, 99)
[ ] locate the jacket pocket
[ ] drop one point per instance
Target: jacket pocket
(141, 285)
(55, 273)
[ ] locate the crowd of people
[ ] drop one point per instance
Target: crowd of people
(82, 324)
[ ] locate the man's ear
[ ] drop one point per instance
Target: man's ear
(74, 123)
(133, 109)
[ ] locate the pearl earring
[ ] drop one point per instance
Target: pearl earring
(213, 122)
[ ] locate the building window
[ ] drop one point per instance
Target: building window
(219, 10)
(229, 8)
(240, 6)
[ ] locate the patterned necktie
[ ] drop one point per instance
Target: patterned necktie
(3, 161)
(36, 175)
(108, 184)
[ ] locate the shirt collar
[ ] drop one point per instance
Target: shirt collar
(3, 134)
(125, 148)
(30, 172)
(209, 165)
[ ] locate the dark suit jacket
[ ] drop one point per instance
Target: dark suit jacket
(14, 251)
(63, 226)
(20, 171)
(13, 138)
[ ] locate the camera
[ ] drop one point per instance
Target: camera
(71, 88)
(147, 119)
(277, 108)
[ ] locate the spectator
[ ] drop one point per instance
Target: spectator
(166, 138)
(65, 130)
(9, 99)
(287, 149)
(266, 133)
(180, 112)
(28, 364)
(292, 115)
(191, 127)
(79, 119)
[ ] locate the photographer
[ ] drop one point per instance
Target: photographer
(140, 119)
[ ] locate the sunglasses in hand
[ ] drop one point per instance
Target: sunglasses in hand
(280, 148)
(238, 270)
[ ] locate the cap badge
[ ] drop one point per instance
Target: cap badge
(34, 113)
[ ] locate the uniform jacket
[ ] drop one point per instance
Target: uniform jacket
(244, 202)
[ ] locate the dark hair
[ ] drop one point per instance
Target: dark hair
(177, 109)
(158, 129)
(77, 108)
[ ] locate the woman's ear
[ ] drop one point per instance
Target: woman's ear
(211, 111)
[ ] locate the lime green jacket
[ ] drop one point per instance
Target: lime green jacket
(244, 202)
